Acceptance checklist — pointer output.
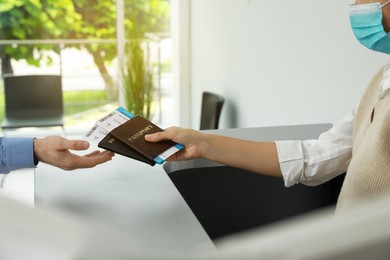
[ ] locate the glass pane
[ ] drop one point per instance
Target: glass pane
(77, 40)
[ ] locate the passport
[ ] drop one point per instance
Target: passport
(114, 145)
(128, 140)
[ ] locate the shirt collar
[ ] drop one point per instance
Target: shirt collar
(385, 84)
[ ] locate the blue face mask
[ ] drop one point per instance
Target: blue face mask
(366, 22)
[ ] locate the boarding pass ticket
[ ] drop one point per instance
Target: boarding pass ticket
(107, 123)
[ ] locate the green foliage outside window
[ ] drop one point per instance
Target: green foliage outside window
(137, 77)
(73, 19)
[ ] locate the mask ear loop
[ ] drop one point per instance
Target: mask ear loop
(383, 5)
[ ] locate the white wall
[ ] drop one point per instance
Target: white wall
(277, 62)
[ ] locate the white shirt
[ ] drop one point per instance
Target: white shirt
(313, 162)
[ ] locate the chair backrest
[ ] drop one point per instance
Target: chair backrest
(33, 96)
(211, 110)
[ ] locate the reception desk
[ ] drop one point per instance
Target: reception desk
(126, 195)
(183, 204)
(227, 200)
(146, 203)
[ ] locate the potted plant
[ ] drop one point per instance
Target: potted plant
(137, 77)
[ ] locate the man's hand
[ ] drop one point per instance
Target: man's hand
(54, 150)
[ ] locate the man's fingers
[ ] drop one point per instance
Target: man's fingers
(77, 145)
(76, 161)
(92, 153)
(99, 153)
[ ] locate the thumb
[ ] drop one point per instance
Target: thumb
(155, 137)
(76, 145)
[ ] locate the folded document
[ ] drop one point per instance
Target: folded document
(124, 133)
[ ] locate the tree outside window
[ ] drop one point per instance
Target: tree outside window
(40, 33)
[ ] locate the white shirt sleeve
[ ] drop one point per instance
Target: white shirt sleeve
(313, 162)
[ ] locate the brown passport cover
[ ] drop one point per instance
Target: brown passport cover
(117, 146)
(132, 133)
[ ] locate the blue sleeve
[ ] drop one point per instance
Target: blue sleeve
(16, 153)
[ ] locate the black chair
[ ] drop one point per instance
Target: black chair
(33, 101)
(211, 110)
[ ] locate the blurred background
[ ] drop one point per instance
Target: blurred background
(275, 63)
(79, 40)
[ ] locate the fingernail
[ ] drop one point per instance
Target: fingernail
(85, 144)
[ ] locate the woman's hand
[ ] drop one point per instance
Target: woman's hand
(191, 140)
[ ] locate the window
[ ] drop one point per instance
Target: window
(80, 41)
